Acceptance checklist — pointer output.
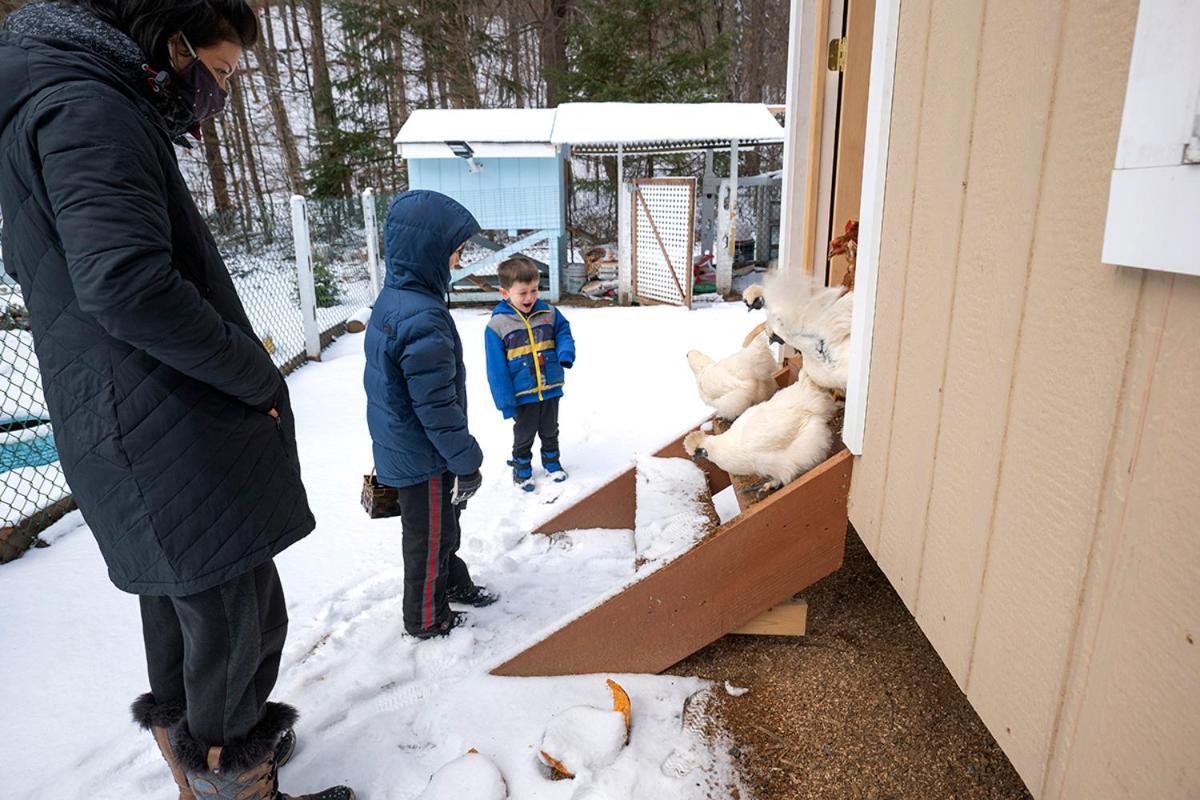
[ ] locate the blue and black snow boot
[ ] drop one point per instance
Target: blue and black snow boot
(553, 467)
(522, 472)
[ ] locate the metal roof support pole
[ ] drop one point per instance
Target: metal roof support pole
(709, 186)
(725, 257)
(624, 236)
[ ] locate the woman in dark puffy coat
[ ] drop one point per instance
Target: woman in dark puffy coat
(173, 424)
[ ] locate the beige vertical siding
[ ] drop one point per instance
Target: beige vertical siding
(1031, 465)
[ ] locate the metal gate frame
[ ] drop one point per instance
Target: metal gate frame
(682, 275)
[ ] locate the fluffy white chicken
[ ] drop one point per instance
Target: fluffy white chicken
(812, 318)
(779, 439)
(736, 382)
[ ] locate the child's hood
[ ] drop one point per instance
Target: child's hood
(505, 307)
(423, 229)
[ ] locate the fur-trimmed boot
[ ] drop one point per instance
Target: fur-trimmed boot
(244, 769)
(158, 718)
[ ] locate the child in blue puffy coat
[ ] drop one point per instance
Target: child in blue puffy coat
(529, 345)
(417, 406)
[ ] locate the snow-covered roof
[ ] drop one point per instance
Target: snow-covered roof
(490, 131)
(596, 128)
(654, 127)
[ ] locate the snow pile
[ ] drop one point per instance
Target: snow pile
(379, 710)
(468, 777)
(583, 739)
(671, 497)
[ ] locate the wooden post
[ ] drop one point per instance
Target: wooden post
(304, 276)
(368, 203)
(795, 148)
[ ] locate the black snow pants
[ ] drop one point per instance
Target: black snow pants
(535, 419)
(430, 538)
(217, 652)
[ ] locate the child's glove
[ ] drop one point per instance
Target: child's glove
(464, 487)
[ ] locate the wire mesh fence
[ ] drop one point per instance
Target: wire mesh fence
(341, 273)
(260, 253)
(33, 490)
(259, 248)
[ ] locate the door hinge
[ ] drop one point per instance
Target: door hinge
(837, 55)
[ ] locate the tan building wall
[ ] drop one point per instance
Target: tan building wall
(1030, 478)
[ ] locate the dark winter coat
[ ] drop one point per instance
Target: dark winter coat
(526, 355)
(415, 379)
(156, 384)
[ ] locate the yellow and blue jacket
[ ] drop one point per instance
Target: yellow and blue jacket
(527, 355)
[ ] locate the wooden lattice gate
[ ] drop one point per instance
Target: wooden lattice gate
(663, 217)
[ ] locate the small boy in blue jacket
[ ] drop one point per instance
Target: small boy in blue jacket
(417, 406)
(529, 345)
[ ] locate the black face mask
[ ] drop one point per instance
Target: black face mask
(198, 87)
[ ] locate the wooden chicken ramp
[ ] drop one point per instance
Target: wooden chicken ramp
(759, 559)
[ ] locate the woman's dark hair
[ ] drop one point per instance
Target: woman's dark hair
(151, 23)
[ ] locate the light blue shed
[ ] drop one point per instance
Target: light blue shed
(500, 164)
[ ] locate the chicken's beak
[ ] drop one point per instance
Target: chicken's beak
(699, 454)
(774, 338)
(755, 305)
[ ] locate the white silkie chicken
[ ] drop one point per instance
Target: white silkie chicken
(812, 318)
(737, 382)
(780, 439)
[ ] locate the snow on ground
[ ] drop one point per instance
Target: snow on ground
(379, 710)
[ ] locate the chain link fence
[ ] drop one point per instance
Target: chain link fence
(259, 246)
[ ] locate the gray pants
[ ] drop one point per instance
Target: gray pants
(217, 652)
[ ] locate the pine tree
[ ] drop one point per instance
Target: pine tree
(644, 51)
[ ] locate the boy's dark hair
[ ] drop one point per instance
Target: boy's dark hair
(518, 269)
(151, 23)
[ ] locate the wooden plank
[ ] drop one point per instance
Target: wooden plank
(816, 129)
(789, 618)
(1075, 332)
(852, 123)
(613, 505)
(1132, 728)
(753, 562)
(1017, 57)
(895, 237)
(942, 176)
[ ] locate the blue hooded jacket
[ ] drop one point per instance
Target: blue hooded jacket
(526, 355)
(415, 378)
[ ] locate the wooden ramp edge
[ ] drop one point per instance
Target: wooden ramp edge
(614, 505)
(756, 560)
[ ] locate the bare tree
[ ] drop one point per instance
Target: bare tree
(266, 56)
(216, 166)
